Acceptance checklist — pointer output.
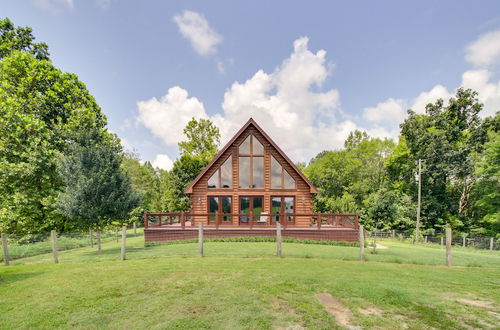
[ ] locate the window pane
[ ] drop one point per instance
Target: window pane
(258, 172)
(226, 173)
(257, 207)
(244, 208)
(258, 149)
(245, 146)
(289, 181)
(226, 208)
(276, 207)
(289, 207)
(213, 207)
(213, 182)
(275, 173)
(244, 172)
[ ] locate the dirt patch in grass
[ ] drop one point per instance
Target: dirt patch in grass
(488, 304)
(280, 304)
(380, 246)
(334, 306)
(370, 311)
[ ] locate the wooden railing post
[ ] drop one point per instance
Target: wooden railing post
(278, 240)
(251, 219)
(5, 249)
(361, 243)
(319, 221)
(159, 220)
(183, 220)
(146, 220)
(448, 247)
(53, 234)
(356, 221)
(200, 239)
(124, 242)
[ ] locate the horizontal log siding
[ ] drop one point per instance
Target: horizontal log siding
(303, 197)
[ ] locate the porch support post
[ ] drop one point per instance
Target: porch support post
(146, 219)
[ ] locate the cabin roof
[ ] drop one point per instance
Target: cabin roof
(250, 122)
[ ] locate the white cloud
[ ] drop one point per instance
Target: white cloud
(167, 117)
(485, 51)
(163, 161)
(488, 92)
(300, 120)
(55, 6)
(437, 92)
(194, 27)
(391, 110)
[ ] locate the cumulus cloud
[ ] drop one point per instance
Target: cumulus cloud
(488, 92)
(162, 161)
(424, 98)
(55, 6)
(391, 110)
(485, 51)
(194, 27)
(167, 117)
(285, 102)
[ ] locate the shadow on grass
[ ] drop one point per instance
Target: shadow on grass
(11, 277)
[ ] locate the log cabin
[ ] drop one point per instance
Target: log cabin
(247, 188)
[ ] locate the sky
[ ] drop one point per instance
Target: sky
(309, 72)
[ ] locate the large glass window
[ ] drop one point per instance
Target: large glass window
(249, 205)
(251, 163)
(280, 178)
(280, 206)
(223, 176)
(220, 206)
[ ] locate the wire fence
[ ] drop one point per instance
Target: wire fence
(475, 241)
(32, 245)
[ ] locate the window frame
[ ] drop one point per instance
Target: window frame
(218, 172)
(251, 156)
(223, 216)
(282, 208)
(282, 176)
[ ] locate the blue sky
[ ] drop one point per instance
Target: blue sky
(309, 72)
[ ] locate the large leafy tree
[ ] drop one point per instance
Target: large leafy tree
(448, 138)
(41, 111)
(196, 151)
(14, 38)
(96, 188)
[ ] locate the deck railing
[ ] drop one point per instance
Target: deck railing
(250, 220)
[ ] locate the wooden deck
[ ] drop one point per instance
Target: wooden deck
(180, 226)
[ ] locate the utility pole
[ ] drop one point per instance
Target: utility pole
(417, 230)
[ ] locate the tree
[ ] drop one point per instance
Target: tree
(448, 138)
(21, 39)
(203, 139)
(196, 152)
(41, 111)
(96, 189)
(487, 187)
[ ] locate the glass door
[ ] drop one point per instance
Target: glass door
(251, 205)
(220, 207)
(280, 207)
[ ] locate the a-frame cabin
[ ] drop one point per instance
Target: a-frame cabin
(251, 176)
(246, 190)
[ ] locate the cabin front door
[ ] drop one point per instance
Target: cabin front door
(219, 208)
(251, 205)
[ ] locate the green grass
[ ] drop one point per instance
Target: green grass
(242, 285)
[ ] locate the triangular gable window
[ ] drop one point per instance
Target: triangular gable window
(223, 176)
(280, 178)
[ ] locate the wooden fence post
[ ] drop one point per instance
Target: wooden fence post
(53, 234)
(91, 238)
(492, 240)
(135, 228)
(393, 234)
(278, 240)
(448, 247)
(98, 239)
(124, 242)
(361, 243)
(463, 241)
(116, 234)
(425, 239)
(200, 239)
(5, 248)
